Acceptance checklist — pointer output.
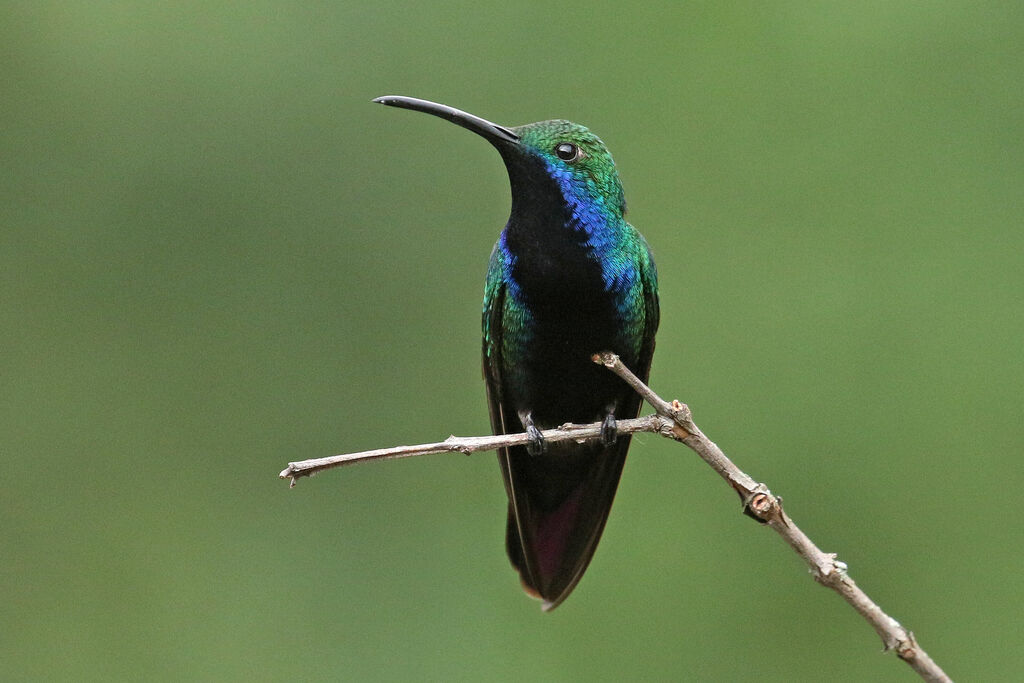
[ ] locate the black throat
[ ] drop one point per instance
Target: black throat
(554, 267)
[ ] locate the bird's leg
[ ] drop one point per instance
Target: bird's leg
(609, 427)
(536, 445)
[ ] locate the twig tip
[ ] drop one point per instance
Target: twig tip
(605, 358)
(289, 473)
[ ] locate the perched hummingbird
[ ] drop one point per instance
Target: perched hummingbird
(568, 277)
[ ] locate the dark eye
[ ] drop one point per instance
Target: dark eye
(567, 151)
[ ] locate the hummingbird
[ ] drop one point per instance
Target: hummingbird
(567, 278)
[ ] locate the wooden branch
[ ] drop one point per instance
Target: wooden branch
(674, 420)
(473, 444)
(759, 502)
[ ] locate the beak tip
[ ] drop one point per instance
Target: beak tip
(491, 131)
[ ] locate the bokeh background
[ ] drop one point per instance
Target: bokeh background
(216, 256)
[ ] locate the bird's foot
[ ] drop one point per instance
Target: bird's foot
(536, 445)
(609, 430)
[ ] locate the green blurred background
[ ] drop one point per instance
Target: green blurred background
(217, 256)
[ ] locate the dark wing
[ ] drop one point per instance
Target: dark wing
(652, 316)
(494, 305)
(504, 419)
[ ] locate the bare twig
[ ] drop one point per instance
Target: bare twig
(673, 420)
(473, 444)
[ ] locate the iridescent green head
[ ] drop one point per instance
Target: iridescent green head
(544, 157)
(577, 159)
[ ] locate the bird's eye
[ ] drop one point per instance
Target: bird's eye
(567, 151)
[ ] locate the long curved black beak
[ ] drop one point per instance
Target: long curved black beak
(490, 131)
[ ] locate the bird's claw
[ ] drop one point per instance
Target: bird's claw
(536, 444)
(609, 430)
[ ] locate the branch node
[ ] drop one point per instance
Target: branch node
(454, 444)
(683, 419)
(759, 503)
(681, 411)
(832, 573)
(906, 649)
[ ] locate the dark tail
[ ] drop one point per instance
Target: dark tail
(558, 505)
